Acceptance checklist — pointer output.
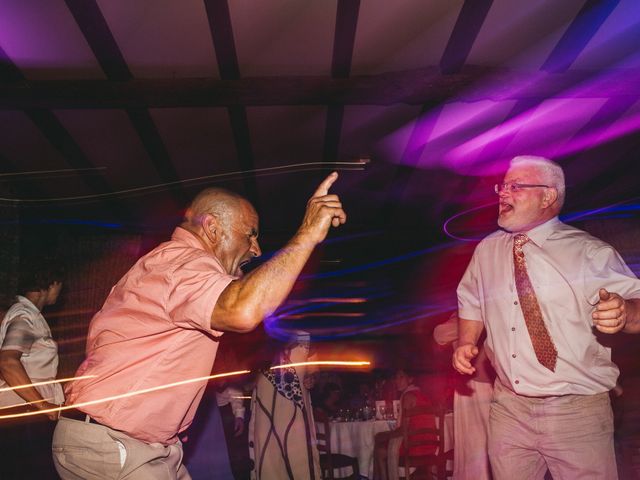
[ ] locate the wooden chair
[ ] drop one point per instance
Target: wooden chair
(330, 461)
(424, 466)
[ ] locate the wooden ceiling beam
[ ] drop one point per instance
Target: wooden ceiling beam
(347, 14)
(96, 31)
(57, 135)
(9, 73)
(415, 87)
(579, 33)
(103, 44)
(470, 20)
(224, 44)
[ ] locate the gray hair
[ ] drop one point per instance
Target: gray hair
(551, 172)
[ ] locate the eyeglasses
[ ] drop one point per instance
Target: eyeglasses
(515, 187)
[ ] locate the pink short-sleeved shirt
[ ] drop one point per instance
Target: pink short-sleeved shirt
(154, 329)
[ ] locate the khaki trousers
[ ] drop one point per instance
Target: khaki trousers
(86, 451)
(571, 435)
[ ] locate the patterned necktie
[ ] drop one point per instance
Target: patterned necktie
(542, 343)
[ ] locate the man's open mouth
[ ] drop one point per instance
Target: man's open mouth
(504, 208)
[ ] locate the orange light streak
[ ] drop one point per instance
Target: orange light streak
(48, 382)
(322, 362)
(27, 403)
(297, 316)
(124, 395)
(327, 300)
(244, 397)
(168, 385)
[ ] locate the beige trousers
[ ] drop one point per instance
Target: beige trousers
(86, 451)
(571, 435)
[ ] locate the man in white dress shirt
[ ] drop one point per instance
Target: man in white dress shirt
(539, 287)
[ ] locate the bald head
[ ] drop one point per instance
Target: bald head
(219, 202)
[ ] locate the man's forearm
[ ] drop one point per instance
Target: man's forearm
(632, 309)
(247, 301)
(15, 375)
(470, 331)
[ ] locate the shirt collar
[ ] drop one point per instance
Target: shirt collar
(183, 235)
(27, 303)
(539, 234)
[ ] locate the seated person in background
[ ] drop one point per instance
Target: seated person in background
(383, 386)
(410, 397)
(362, 397)
(329, 402)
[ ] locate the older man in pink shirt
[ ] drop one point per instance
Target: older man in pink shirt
(160, 325)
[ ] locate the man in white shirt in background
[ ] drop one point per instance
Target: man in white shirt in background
(232, 410)
(539, 287)
(471, 402)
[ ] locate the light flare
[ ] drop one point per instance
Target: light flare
(48, 382)
(323, 362)
(26, 403)
(124, 395)
(168, 385)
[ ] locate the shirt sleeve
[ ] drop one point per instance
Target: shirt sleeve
(19, 336)
(606, 269)
(237, 403)
(469, 291)
(232, 396)
(196, 286)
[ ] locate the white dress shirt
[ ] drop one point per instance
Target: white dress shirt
(24, 329)
(567, 267)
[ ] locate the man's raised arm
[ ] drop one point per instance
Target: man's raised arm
(247, 301)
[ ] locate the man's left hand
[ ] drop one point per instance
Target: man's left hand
(610, 315)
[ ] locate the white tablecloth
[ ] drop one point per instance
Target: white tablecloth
(356, 440)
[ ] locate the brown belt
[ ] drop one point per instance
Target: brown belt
(75, 414)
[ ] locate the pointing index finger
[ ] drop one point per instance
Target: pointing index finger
(323, 188)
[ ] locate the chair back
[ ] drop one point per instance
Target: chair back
(323, 437)
(426, 435)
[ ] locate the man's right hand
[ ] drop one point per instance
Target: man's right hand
(323, 210)
(462, 357)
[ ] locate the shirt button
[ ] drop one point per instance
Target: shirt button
(517, 382)
(513, 329)
(513, 355)
(515, 303)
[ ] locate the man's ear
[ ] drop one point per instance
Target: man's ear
(211, 227)
(550, 197)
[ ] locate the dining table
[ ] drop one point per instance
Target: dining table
(356, 439)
